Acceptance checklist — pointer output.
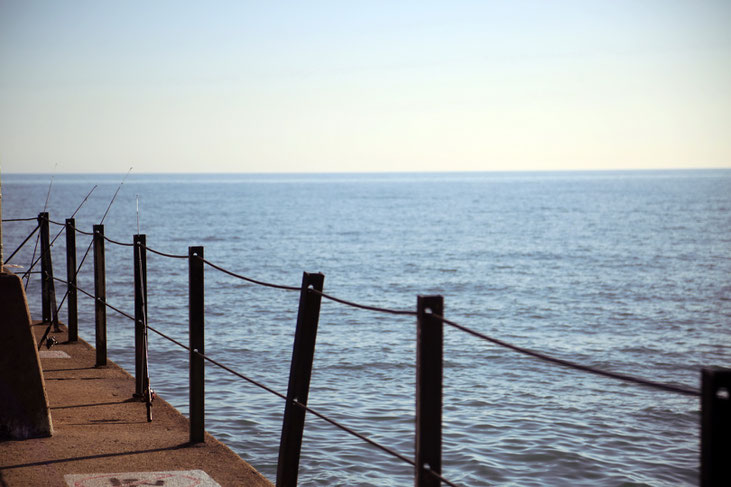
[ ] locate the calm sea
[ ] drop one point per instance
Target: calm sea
(626, 271)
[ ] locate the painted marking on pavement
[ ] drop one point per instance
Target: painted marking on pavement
(53, 354)
(181, 478)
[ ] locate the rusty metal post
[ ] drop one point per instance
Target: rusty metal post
(140, 276)
(300, 372)
(196, 310)
(715, 427)
(429, 345)
(100, 296)
(72, 306)
(46, 269)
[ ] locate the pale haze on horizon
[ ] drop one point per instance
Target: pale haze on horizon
(326, 86)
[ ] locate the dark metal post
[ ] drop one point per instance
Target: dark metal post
(72, 307)
(2, 255)
(196, 319)
(300, 372)
(140, 273)
(100, 296)
(46, 270)
(429, 344)
(715, 427)
(48, 285)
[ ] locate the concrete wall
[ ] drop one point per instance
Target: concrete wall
(24, 409)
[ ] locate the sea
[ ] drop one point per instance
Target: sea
(625, 271)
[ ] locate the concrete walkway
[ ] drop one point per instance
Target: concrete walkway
(100, 429)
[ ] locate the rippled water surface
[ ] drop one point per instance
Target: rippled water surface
(626, 271)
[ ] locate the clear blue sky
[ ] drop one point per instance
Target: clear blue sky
(316, 86)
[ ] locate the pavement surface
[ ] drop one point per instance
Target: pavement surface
(101, 434)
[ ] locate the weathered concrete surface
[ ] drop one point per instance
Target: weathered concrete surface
(23, 402)
(99, 428)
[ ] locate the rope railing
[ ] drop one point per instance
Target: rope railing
(545, 357)
(259, 384)
(252, 381)
(78, 230)
(124, 244)
(295, 402)
(573, 365)
(127, 244)
(364, 306)
(121, 244)
(91, 234)
(525, 351)
(94, 298)
(307, 290)
(249, 279)
(164, 254)
(242, 376)
(20, 219)
(522, 350)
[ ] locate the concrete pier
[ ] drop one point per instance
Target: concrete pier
(101, 436)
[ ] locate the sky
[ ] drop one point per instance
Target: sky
(340, 86)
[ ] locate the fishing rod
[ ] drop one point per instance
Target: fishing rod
(109, 207)
(88, 249)
(52, 285)
(148, 395)
(45, 207)
(59, 232)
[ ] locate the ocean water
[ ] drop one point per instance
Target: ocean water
(625, 271)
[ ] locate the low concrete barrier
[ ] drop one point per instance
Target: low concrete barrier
(24, 409)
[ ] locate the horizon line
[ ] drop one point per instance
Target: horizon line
(270, 173)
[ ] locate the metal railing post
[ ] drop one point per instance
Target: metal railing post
(140, 276)
(72, 306)
(196, 310)
(100, 296)
(2, 255)
(299, 380)
(46, 269)
(715, 427)
(429, 345)
(48, 285)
